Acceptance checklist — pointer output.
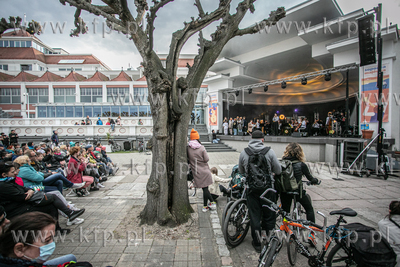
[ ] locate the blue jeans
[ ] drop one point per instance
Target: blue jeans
(57, 180)
(216, 141)
(60, 260)
(234, 131)
(112, 127)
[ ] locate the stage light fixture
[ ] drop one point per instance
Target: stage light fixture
(266, 88)
(304, 81)
(237, 93)
(250, 90)
(328, 77)
(283, 85)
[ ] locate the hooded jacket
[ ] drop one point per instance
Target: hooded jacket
(257, 145)
(198, 160)
(30, 176)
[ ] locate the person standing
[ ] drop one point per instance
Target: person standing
(234, 126)
(198, 160)
(5, 139)
(245, 123)
(389, 227)
(240, 125)
(250, 126)
(275, 124)
(54, 138)
(88, 121)
(261, 218)
(226, 126)
(230, 126)
(13, 137)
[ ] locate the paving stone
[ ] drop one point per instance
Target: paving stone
(223, 251)
(226, 261)
(220, 241)
(194, 264)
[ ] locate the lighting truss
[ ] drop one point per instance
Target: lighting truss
(294, 78)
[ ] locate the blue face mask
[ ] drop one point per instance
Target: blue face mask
(45, 252)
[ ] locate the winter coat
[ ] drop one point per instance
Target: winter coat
(99, 122)
(214, 188)
(30, 176)
(75, 170)
(240, 125)
(300, 169)
(230, 124)
(386, 226)
(50, 159)
(250, 127)
(54, 138)
(198, 160)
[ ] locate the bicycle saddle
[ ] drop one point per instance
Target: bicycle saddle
(346, 212)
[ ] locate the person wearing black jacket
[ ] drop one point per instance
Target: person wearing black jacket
(294, 152)
(54, 137)
(13, 137)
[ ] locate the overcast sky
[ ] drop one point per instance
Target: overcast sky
(117, 51)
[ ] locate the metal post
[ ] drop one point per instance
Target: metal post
(347, 113)
(27, 96)
(378, 11)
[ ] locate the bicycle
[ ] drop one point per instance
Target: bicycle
(236, 223)
(115, 147)
(191, 185)
(337, 233)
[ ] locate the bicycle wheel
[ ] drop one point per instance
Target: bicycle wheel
(270, 254)
(339, 257)
(292, 250)
(191, 189)
(118, 147)
(225, 211)
(236, 223)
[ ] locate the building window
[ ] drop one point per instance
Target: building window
(60, 112)
(91, 95)
(28, 44)
(144, 111)
(96, 111)
(26, 67)
(88, 111)
(3, 67)
(140, 94)
(201, 96)
(69, 111)
(10, 95)
(78, 111)
(117, 94)
(64, 95)
(42, 112)
(51, 112)
(38, 95)
(115, 111)
(105, 111)
(124, 111)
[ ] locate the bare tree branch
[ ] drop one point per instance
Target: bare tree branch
(150, 21)
(274, 17)
(141, 7)
(125, 14)
(200, 8)
(15, 23)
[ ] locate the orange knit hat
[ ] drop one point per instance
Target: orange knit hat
(194, 135)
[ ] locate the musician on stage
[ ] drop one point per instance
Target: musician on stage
(275, 124)
(328, 123)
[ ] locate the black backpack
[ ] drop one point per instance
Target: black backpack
(258, 176)
(365, 255)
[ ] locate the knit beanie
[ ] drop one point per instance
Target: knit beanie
(194, 135)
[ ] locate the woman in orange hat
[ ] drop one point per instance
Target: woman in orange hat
(198, 160)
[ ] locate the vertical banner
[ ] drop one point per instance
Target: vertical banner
(370, 96)
(213, 110)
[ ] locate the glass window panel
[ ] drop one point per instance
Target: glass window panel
(15, 91)
(16, 99)
(124, 111)
(78, 111)
(70, 99)
(88, 111)
(5, 43)
(28, 43)
(43, 99)
(33, 99)
(58, 99)
(86, 99)
(114, 111)
(22, 43)
(105, 111)
(5, 67)
(97, 99)
(11, 43)
(142, 111)
(42, 112)
(51, 112)
(17, 44)
(1, 44)
(60, 112)
(5, 99)
(58, 91)
(97, 111)
(69, 91)
(133, 110)
(69, 111)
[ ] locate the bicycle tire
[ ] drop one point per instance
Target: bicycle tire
(118, 147)
(225, 211)
(336, 257)
(269, 255)
(292, 250)
(233, 223)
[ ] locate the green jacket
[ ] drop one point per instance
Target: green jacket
(30, 176)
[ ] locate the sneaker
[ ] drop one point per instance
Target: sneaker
(76, 221)
(205, 209)
(75, 214)
(212, 206)
(79, 193)
(74, 186)
(99, 185)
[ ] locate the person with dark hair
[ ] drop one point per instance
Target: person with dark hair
(390, 228)
(261, 218)
(112, 124)
(13, 137)
(18, 152)
(54, 138)
(38, 245)
(16, 199)
(76, 166)
(5, 139)
(30, 145)
(3, 219)
(198, 160)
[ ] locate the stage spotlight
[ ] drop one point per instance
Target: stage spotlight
(328, 76)
(304, 81)
(237, 93)
(250, 90)
(283, 85)
(266, 88)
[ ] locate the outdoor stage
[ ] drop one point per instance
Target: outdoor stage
(317, 149)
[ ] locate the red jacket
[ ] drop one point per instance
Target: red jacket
(75, 170)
